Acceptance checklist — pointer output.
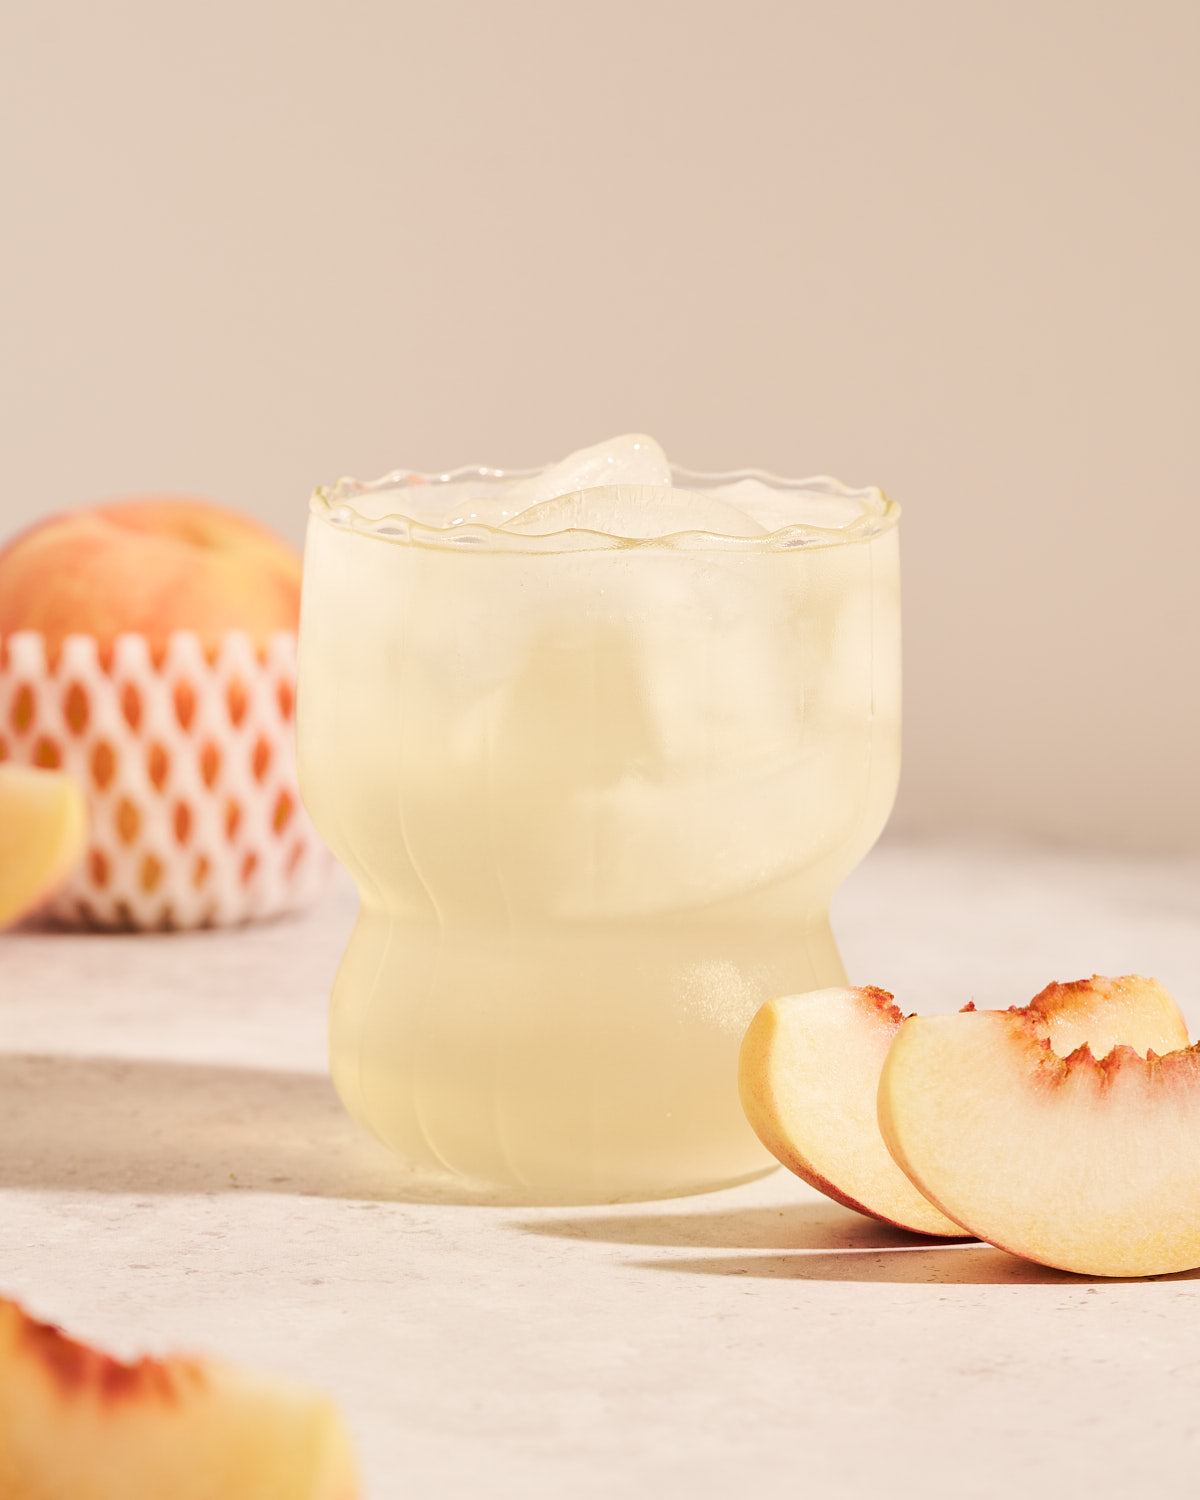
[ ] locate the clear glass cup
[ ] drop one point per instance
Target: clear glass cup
(596, 795)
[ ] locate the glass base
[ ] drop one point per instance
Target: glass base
(416, 1185)
(563, 1066)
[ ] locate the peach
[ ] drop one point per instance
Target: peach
(76, 1424)
(1085, 1164)
(808, 1073)
(43, 831)
(148, 566)
(149, 648)
(810, 1068)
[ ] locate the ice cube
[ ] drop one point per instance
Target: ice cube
(636, 511)
(630, 767)
(776, 507)
(632, 459)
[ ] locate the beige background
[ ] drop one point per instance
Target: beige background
(944, 246)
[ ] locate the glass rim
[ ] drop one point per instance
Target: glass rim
(335, 505)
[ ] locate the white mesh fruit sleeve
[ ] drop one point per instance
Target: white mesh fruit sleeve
(187, 759)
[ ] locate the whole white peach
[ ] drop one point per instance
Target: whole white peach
(150, 566)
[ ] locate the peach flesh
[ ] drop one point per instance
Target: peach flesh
(43, 832)
(1088, 1165)
(810, 1068)
(808, 1072)
(76, 1424)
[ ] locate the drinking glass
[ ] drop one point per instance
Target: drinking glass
(596, 794)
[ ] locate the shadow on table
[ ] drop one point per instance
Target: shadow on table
(817, 1241)
(112, 1125)
(820, 1224)
(952, 1264)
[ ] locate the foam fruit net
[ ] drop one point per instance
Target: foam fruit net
(188, 762)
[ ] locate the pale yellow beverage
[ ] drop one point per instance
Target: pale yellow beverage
(597, 762)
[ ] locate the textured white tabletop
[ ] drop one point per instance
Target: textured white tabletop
(176, 1173)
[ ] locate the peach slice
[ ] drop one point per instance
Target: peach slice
(43, 830)
(77, 1425)
(810, 1067)
(808, 1075)
(1083, 1164)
